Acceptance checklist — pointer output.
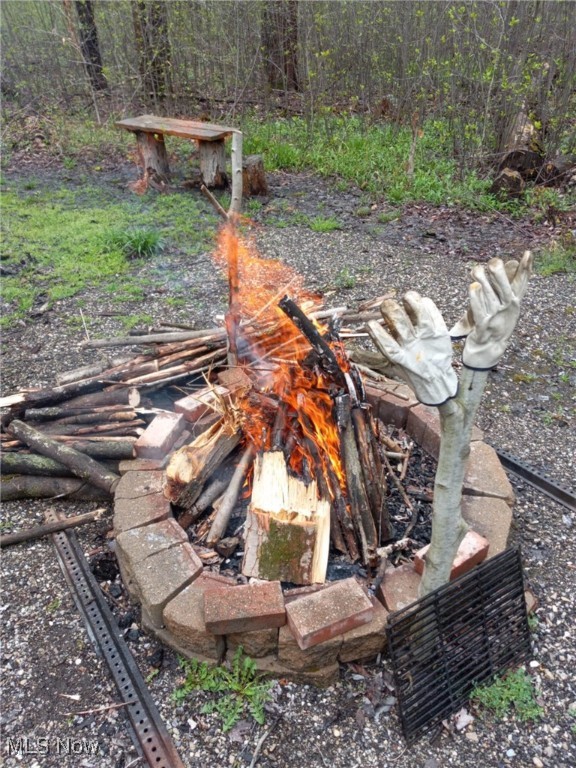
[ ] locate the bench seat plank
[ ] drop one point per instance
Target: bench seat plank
(170, 126)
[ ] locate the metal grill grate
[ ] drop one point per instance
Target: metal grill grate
(459, 635)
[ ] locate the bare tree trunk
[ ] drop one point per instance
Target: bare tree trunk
(150, 22)
(89, 44)
(280, 40)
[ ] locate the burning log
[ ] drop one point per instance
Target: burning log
(190, 467)
(287, 533)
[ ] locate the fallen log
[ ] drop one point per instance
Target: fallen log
(19, 463)
(212, 490)
(82, 466)
(287, 531)
(38, 531)
(153, 338)
(64, 411)
(20, 487)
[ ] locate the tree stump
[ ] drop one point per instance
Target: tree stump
(253, 176)
(153, 155)
(508, 182)
(213, 163)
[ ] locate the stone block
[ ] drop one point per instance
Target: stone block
(183, 618)
(399, 587)
(291, 655)
(333, 611)
(160, 577)
(140, 465)
(159, 437)
(485, 475)
(133, 485)
(135, 513)
(367, 641)
(135, 545)
(472, 551)
(532, 603)
(491, 518)
(263, 642)
(200, 403)
(214, 645)
(246, 608)
(270, 666)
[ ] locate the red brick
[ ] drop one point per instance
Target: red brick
(134, 513)
(340, 608)
(472, 551)
(184, 619)
(367, 641)
(490, 518)
(134, 485)
(392, 405)
(140, 465)
(399, 587)
(297, 592)
(423, 426)
(192, 407)
(159, 437)
(245, 608)
(234, 379)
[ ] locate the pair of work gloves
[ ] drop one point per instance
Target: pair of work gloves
(418, 345)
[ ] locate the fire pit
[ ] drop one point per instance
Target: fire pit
(313, 473)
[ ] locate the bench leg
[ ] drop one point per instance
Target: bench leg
(152, 151)
(213, 163)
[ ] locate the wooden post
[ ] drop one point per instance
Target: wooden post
(213, 163)
(152, 151)
(236, 201)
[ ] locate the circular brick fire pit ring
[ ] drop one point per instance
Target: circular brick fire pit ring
(301, 634)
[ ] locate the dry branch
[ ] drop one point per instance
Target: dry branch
(39, 531)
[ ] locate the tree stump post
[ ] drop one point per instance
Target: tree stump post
(152, 151)
(213, 163)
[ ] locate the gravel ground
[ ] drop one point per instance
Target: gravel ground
(50, 670)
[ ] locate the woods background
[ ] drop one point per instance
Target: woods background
(476, 65)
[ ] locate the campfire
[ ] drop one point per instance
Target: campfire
(311, 463)
(281, 426)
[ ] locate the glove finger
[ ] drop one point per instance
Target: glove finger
(499, 280)
(385, 343)
(463, 326)
(520, 280)
(511, 268)
(477, 304)
(424, 314)
(491, 301)
(397, 321)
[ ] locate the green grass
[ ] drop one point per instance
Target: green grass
(322, 224)
(238, 689)
(345, 280)
(59, 241)
(557, 258)
(514, 689)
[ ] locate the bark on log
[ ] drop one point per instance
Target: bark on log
(212, 155)
(253, 176)
(34, 487)
(89, 371)
(38, 531)
(212, 491)
(153, 155)
(114, 448)
(287, 532)
(54, 395)
(230, 497)
(64, 411)
(156, 338)
(192, 465)
(82, 466)
(32, 464)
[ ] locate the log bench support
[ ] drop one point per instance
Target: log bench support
(150, 131)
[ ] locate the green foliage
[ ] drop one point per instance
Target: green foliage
(373, 157)
(321, 224)
(532, 622)
(136, 243)
(556, 258)
(239, 688)
(513, 689)
(345, 280)
(58, 241)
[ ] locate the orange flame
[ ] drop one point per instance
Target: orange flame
(273, 349)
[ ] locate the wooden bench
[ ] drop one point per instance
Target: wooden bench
(150, 131)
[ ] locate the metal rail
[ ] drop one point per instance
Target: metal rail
(538, 479)
(147, 730)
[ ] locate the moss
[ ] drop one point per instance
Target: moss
(281, 555)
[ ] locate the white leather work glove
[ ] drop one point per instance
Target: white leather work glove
(418, 346)
(494, 308)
